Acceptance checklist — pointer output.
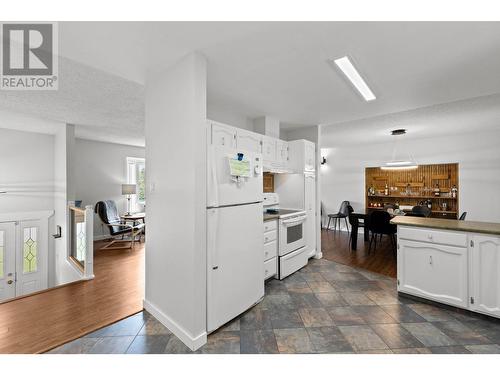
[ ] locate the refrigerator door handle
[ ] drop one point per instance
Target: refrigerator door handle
(212, 237)
(213, 193)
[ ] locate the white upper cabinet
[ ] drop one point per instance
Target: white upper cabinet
(485, 274)
(223, 135)
(302, 155)
(281, 151)
(274, 151)
(310, 156)
(249, 141)
(268, 148)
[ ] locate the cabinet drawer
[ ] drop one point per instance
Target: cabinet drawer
(293, 262)
(270, 268)
(270, 236)
(270, 225)
(442, 237)
(270, 250)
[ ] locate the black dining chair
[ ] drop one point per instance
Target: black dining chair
(423, 210)
(462, 217)
(342, 214)
(389, 206)
(380, 224)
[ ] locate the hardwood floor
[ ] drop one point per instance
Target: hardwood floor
(43, 321)
(335, 246)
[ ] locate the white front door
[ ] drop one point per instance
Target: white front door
(7, 261)
(31, 258)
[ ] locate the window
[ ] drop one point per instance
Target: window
(78, 236)
(136, 170)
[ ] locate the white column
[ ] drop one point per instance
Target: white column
(64, 271)
(176, 198)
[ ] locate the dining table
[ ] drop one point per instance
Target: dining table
(365, 216)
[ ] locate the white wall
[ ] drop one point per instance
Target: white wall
(309, 133)
(35, 170)
(176, 179)
(478, 155)
(26, 171)
(100, 170)
(226, 115)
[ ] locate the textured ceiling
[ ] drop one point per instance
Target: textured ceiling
(102, 106)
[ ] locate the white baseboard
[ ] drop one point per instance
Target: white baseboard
(192, 343)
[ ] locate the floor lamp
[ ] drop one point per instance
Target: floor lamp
(128, 190)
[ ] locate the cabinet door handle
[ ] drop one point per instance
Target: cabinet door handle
(430, 259)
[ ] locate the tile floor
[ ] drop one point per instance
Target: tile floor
(326, 307)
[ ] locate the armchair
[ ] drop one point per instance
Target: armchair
(108, 214)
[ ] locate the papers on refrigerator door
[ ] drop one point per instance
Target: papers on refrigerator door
(239, 168)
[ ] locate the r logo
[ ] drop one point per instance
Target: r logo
(27, 49)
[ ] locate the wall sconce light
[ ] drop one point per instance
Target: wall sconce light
(323, 161)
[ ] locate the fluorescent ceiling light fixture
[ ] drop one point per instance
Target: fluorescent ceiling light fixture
(399, 164)
(352, 74)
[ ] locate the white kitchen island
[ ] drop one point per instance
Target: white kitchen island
(449, 261)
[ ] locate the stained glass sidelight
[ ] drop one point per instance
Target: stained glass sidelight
(30, 250)
(2, 239)
(80, 242)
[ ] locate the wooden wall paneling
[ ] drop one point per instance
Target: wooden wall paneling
(268, 182)
(421, 181)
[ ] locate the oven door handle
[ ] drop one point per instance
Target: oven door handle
(293, 221)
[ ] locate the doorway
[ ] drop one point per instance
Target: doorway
(23, 259)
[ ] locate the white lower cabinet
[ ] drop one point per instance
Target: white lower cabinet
(270, 248)
(270, 268)
(484, 273)
(436, 272)
(455, 268)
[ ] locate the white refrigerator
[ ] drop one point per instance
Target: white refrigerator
(235, 255)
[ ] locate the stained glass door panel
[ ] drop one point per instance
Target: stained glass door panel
(31, 259)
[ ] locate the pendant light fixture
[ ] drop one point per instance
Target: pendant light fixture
(399, 164)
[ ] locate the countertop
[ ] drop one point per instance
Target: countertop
(270, 216)
(447, 224)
